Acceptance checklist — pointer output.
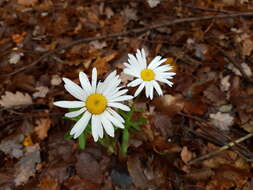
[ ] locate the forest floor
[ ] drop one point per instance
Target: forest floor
(197, 136)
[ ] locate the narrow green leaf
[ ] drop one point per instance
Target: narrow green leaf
(67, 135)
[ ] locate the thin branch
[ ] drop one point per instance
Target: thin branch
(223, 148)
(129, 32)
(207, 9)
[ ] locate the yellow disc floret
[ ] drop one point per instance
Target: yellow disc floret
(96, 103)
(147, 75)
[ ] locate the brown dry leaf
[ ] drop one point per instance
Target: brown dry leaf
(200, 174)
(246, 69)
(229, 176)
(225, 84)
(102, 64)
(75, 183)
(186, 155)
(153, 3)
(215, 95)
(222, 120)
(88, 168)
(55, 80)
(161, 146)
(247, 47)
(18, 38)
(169, 104)
(43, 125)
(137, 172)
(12, 146)
(117, 24)
(27, 3)
(129, 14)
(48, 183)
(195, 106)
(15, 57)
(10, 99)
(26, 166)
(41, 92)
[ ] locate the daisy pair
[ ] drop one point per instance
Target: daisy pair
(96, 101)
(148, 75)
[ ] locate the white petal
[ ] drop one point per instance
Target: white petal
(112, 80)
(116, 115)
(147, 89)
(85, 83)
(99, 87)
(121, 98)
(69, 104)
(163, 68)
(119, 93)
(166, 82)
(74, 89)
(94, 80)
(139, 89)
(119, 105)
(107, 126)
(116, 122)
(131, 72)
(140, 59)
(144, 57)
(156, 64)
(134, 62)
(157, 88)
(168, 75)
(96, 127)
(151, 93)
(135, 82)
(75, 113)
(111, 87)
(80, 125)
(154, 61)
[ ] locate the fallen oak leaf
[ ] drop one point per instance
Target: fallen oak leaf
(43, 125)
(10, 99)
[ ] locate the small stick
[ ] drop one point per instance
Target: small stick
(133, 31)
(221, 149)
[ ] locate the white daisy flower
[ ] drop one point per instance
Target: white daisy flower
(149, 75)
(96, 101)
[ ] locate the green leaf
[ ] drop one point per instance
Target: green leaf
(142, 120)
(68, 135)
(82, 140)
(134, 125)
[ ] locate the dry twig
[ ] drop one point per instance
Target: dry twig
(223, 148)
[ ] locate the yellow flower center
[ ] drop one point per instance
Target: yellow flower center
(147, 75)
(96, 103)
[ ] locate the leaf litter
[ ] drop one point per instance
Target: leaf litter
(209, 106)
